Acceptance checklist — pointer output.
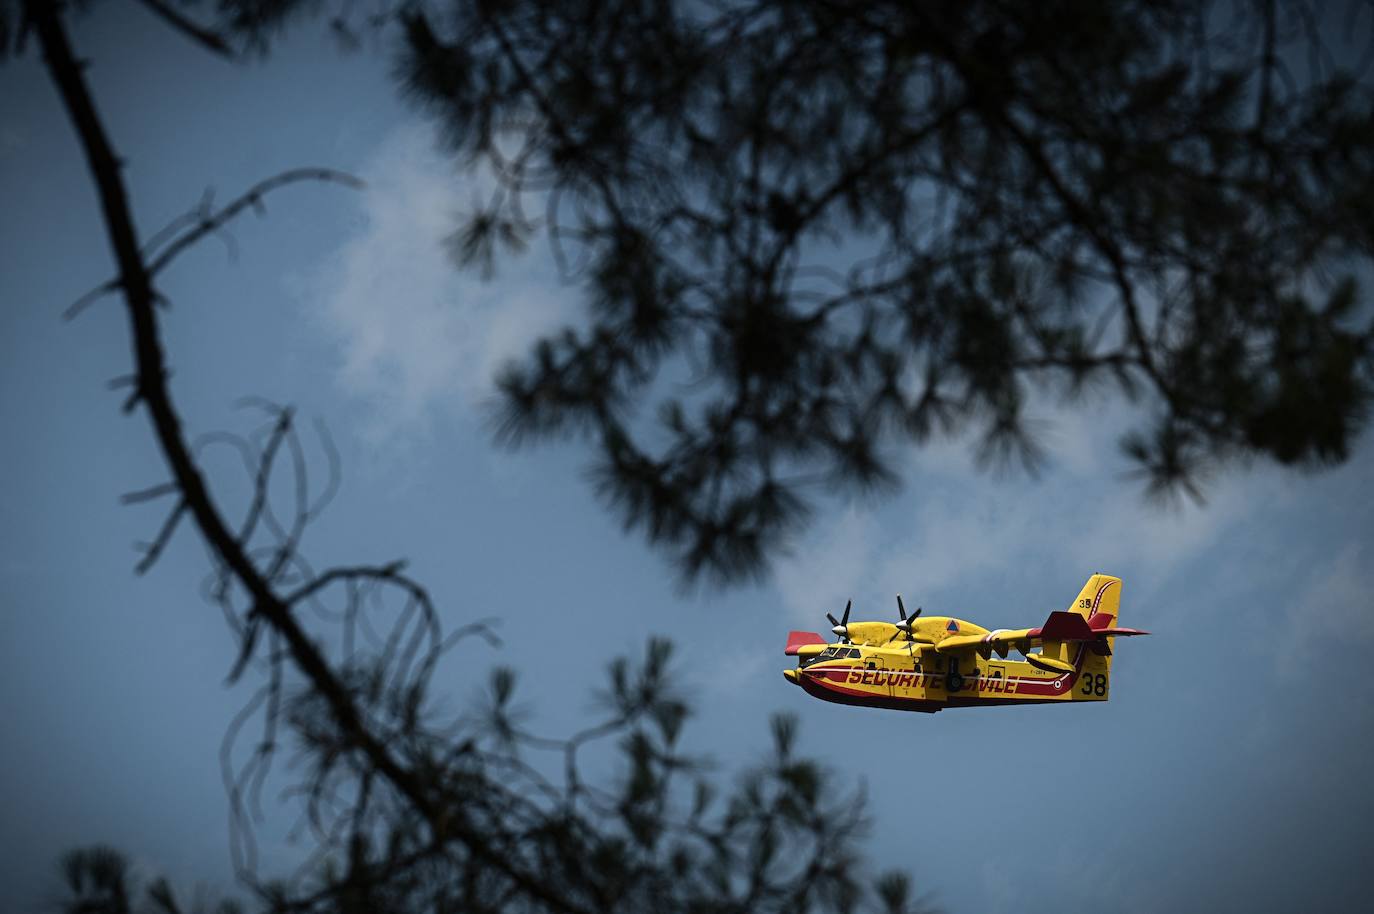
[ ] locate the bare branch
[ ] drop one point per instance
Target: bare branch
(81, 304)
(213, 222)
(210, 40)
(151, 551)
(202, 221)
(149, 494)
(135, 281)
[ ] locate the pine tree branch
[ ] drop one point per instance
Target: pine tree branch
(135, 280)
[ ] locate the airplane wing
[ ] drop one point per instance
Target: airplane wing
(1000, 641)
(795, 640)
(1060, 626)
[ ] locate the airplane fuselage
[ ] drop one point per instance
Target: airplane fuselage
(916, 679)
(935, 662)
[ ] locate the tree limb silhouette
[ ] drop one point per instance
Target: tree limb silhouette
(188, 229)
(418, 816)
(1025, 199)
(135, 281)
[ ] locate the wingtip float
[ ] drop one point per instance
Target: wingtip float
(937, 662)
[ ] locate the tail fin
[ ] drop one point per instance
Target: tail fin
(1069, 641)
(1099, 601)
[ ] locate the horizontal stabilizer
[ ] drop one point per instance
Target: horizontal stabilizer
(795, 640)
(1065, 626)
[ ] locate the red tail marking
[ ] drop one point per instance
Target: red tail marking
(1065, 626)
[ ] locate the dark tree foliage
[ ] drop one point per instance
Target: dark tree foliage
(100, 880)
(825, 227)
(810, 231)
(409, 809)
(806, 231)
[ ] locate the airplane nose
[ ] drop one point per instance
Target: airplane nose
(790, 674)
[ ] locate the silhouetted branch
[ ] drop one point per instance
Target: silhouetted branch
(1042, 201)
(263, 476)
(206, 38)
(151, 551)
(90, 298)
(149, 494)
(189, 228)
(212, 222)
(135, 282)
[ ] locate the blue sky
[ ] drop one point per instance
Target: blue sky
(1228, 769)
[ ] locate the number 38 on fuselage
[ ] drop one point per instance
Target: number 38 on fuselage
(936, 662)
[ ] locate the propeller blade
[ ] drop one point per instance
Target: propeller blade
(841, 626)
(904, 626)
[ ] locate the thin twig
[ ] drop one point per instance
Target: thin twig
(253, 197)
(206, 38)
(205, 222)
(151, 551)
(136, 283)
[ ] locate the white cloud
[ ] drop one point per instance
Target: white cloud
(1337, 607)
(1123, 526)
(954, 524)
(957, 532)
(821, 572)
(415, 335)
(724, 672)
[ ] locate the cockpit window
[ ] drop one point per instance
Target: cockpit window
(828, 654)
(832, 653)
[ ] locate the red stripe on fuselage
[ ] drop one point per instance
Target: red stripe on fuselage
(826, 691)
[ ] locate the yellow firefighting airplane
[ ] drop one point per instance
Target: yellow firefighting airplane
(939, 662)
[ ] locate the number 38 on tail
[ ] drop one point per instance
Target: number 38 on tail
(937, 662)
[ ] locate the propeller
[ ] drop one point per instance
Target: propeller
(905, 624)
(841, 626)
